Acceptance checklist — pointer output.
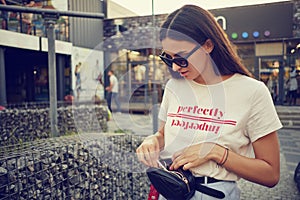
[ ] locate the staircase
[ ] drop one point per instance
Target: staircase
(289, 116)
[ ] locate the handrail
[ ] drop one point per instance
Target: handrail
(14, 2)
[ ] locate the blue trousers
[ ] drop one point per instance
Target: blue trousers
(113, 96)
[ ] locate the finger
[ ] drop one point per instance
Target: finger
(150, 158)
(154, 157)
(193, 162)
(146, 155)
(141, 155)
(141, 158)
(176, 158)
(177, 154)
(179, 161)
(188, 166)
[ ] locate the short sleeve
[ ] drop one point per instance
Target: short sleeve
(263, 118)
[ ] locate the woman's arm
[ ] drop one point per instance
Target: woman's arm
(264, 169)
(148, 151)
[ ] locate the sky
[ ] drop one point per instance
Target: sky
(144, 7)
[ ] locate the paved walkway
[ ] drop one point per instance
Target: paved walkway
(290, 155)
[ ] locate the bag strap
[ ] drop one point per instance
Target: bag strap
(209, 191)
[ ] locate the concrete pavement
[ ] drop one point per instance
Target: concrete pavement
(289, 157)
(141, 124)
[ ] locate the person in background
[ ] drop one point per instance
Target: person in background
(78, 80)
(216, 120)
(4, 16)
(293, 87)
(113, 91)
(27, 17)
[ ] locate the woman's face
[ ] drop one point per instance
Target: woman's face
(197, 62)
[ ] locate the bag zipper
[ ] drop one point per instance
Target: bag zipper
(181, 176)
(187, 183)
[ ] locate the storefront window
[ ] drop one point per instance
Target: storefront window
(247, 54)
(139, 73)
(41, 86)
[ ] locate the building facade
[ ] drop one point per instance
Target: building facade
(266, 37)
(24, 71)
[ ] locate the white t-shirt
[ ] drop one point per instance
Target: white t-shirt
(114, 81)
(233, 113)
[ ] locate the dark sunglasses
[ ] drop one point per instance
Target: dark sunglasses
(180, 61)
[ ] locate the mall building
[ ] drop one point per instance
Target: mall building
(267, 37)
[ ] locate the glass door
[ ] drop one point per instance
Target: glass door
(272, 73)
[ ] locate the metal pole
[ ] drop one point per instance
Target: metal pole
(52, 78)
(281, 83)
(154, 94)
(3, 101)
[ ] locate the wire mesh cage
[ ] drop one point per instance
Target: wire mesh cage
(86, 166)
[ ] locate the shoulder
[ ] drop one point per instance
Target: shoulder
(242, 78)
(245, 82)
(246, 88)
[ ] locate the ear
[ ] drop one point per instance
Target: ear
(208, 46)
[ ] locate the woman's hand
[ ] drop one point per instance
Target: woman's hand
(192, 156)
(148, 151)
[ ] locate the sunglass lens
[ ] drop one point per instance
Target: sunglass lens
(167, 60)
(182, 62)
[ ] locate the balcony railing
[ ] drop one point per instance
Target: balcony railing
(32, 23)
(37, 26)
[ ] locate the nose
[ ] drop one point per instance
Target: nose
(175, 67)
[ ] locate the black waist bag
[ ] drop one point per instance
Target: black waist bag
(179, 184)
(297, 176)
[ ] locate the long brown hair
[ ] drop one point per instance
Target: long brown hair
(198, 25)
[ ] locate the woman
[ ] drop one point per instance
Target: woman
(78, 79)
(217, 121)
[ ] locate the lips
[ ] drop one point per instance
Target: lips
(183, 73)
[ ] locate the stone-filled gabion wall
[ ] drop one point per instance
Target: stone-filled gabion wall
(27, 124)
(89, 166)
